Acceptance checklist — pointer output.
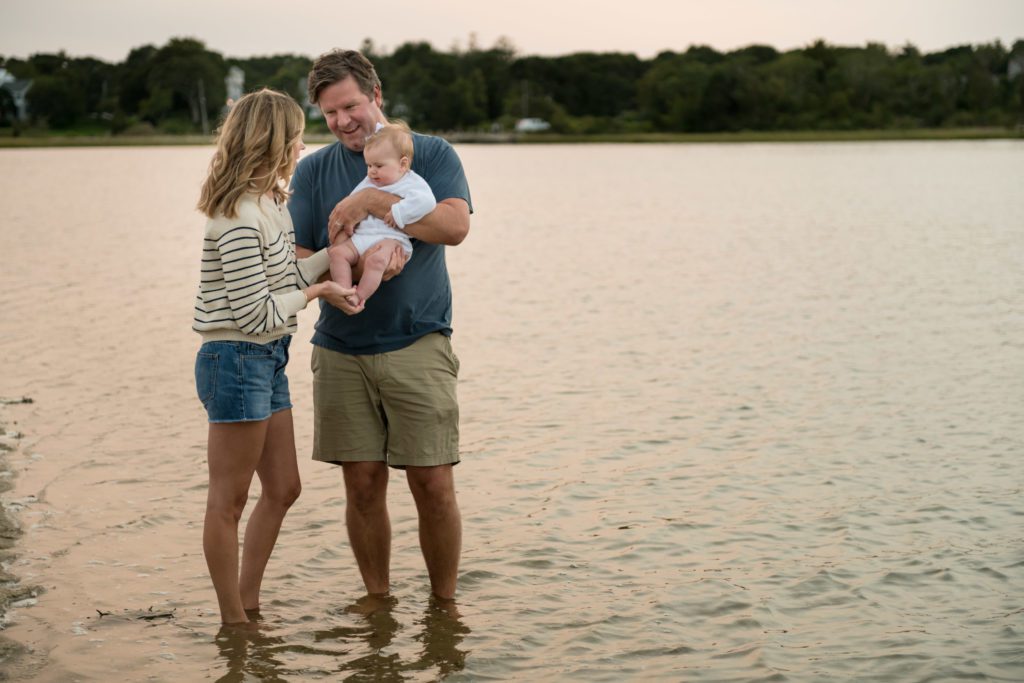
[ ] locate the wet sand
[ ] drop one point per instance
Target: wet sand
(12, 591)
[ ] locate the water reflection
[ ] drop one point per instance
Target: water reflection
(376, 627)
(440, 631)
(249, 652)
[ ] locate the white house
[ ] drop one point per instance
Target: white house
(18, 87)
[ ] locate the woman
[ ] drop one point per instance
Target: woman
(251, 287)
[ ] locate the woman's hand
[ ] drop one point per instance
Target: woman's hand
(337, 296)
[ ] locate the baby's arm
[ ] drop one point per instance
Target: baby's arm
(416, 202)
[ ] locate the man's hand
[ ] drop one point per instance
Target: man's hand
(351, 210)
(447, 224)
(347, 214)
(395, 264)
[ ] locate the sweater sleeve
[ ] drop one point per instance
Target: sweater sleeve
(312, 267)
(253, 307)
(416, 202)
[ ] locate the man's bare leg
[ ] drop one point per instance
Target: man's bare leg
(433, 489)
(369, 527)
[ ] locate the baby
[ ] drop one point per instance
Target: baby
(388, 155)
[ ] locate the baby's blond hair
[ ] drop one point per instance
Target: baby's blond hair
(397, 134)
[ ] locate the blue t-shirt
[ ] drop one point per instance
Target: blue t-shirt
(418, 300)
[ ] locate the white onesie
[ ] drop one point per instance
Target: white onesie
(416, 201)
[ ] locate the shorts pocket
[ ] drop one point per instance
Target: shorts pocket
(206, 376)
(452, 358)
(254, 350)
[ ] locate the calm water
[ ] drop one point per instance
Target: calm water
(730, 413)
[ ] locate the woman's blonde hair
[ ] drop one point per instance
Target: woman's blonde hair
(255, 152)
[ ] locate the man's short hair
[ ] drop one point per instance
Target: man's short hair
(337, 65)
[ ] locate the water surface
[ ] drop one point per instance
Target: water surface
(729, 412)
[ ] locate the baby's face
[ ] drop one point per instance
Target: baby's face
(384, 166)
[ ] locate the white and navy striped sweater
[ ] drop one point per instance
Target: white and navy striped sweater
(250, 287)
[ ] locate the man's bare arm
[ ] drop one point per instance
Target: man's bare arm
(447, 224)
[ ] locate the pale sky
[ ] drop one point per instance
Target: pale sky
(108, 29)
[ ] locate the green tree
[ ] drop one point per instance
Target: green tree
(8, 110)
(133, 78)
(57, 100)
(671, 93)
(286, 73)
(58, 96)
(465, 103)
(185, 81)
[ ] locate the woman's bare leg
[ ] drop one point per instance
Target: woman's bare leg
(233, 453)
(279, 477)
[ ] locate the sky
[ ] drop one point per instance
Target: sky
(109, 29)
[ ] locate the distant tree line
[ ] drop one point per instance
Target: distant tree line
(180, 86)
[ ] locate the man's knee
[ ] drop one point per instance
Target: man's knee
(366, 485)
(433, 484)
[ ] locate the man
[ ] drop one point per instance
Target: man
(384, 377)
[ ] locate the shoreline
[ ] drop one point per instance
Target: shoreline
(877, 135)
(12, 591)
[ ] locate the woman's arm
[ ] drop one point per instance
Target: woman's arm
(310, 266)
(327, 289)
(253, 307)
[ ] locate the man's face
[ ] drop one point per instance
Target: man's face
(350, 114)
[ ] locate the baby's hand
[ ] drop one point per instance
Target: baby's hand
(390, 220)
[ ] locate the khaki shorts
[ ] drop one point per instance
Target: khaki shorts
(398, 407)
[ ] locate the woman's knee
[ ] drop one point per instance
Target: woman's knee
(227, 506)
(283, 494)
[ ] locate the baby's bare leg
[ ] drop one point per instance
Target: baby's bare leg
(374, 266)
(343, 256)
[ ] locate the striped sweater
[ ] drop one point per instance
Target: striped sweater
(250, 287)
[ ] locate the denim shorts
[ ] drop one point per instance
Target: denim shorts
(242, 381)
